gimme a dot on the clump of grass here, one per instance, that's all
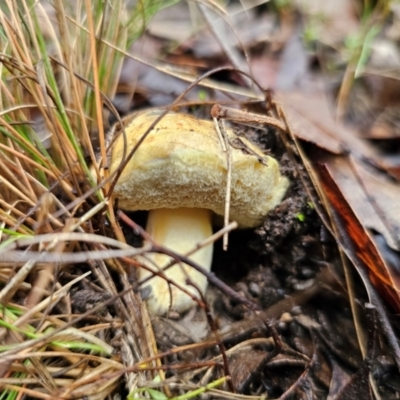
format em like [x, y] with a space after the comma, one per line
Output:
[59, 65]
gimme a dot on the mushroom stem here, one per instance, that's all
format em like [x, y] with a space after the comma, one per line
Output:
[180, 230]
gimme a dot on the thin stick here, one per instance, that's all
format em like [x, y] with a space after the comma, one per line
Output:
[240, 116]
[222, 136]
[228, 185]
[213, 238]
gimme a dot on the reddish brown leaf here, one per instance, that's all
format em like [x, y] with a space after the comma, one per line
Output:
[384, 195]
[372, 197]
[363, 247]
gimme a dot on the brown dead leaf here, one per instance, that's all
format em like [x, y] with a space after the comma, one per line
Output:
[362, 247]
[374, 201]
[293, 63]
[372, 197]
[310, 117]
[384, 195]
[244, 365]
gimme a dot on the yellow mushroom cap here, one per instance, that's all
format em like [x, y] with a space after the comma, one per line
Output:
[181, 163]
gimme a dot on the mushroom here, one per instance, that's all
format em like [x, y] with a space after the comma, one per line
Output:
[179, 174]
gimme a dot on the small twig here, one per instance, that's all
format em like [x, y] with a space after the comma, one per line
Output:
[240, 116]
[223, 138]
[16, 256]
[228, 184]
[176, 350]
[220, 137]
[60, 237]
[213, 238]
